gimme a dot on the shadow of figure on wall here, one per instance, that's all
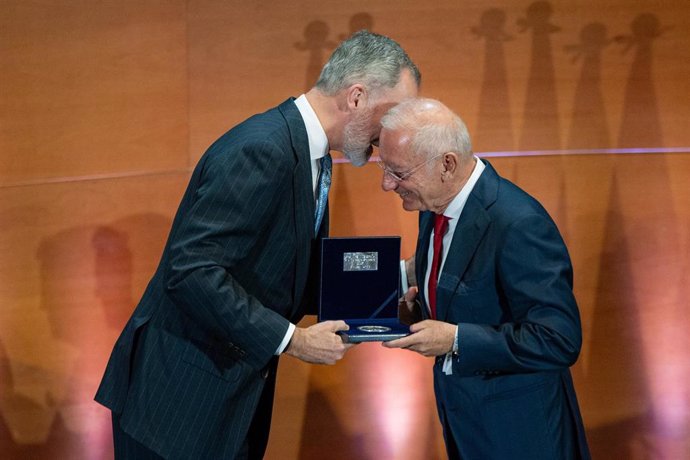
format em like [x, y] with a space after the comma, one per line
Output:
[616, 371]
[29, 427]
[589, 129]
[359, 21]
[47, 404]
[540, 130]
[640, 125]
[494, 124]
[641, 320]
[67, 297]
[126, 254]
[113, 275]
[315, 42]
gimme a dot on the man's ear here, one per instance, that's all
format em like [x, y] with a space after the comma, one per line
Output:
[356, 96]
[450, 162]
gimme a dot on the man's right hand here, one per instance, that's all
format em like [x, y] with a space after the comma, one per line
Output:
[319, 343]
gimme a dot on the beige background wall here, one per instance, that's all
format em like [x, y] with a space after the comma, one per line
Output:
[106, 106]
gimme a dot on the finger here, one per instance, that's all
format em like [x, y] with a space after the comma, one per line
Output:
[393, 343]
[332, 326]
[403, 342]
[416, 327]
[411, 294]
[340, 325]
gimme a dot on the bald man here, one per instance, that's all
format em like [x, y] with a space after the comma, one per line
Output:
[495, 290]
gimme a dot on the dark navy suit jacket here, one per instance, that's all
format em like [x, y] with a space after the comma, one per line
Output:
[507, 283]
[187, 372]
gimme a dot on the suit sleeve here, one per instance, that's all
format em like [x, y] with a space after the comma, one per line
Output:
[239, 189]
[534, 279]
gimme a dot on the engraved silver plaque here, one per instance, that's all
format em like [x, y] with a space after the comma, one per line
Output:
[373, 328]
[360, 261]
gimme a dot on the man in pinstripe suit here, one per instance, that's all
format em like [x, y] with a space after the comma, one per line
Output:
[193, 372]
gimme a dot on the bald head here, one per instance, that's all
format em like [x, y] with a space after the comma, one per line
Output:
[426, 154]
[430, 127]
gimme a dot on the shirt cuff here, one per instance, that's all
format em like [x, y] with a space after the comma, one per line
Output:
[403, 278]
[455, 342]
[286, 339]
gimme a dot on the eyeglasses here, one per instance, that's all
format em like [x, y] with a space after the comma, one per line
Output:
[401, 176]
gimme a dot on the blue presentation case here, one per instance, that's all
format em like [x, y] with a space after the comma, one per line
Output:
[360, 284]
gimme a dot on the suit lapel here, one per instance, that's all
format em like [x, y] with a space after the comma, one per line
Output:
[303, 195]
[468, 234]
[471, 228]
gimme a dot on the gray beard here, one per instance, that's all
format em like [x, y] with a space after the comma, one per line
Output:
[357, 144]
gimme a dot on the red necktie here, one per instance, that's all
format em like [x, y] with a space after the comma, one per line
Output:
[440, 229]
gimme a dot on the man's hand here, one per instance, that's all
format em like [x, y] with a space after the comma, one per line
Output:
[409, 310]
[428, 338]
[319, 343]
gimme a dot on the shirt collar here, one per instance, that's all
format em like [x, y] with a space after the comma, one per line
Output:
[456, 206]
[318, 142]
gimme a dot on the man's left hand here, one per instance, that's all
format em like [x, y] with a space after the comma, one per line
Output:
[428, 338]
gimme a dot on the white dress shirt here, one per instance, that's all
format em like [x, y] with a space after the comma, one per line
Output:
[454, 211]
[318, 148]
[318, 142]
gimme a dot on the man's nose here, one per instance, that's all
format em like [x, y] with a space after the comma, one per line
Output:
[388, 183]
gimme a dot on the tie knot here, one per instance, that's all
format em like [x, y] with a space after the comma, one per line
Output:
[440, 224]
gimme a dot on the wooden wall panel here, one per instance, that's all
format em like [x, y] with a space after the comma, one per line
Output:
[75, 256]
[91, 89]
[104, 108]
[523, 75]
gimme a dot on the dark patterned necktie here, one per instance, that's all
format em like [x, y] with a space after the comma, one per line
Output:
[323, 184]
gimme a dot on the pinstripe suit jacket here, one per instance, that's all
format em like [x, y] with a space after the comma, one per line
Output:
[187, 371]
[507, 283]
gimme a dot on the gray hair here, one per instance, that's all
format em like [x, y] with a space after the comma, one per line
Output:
[433, 127]
[374, 60]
